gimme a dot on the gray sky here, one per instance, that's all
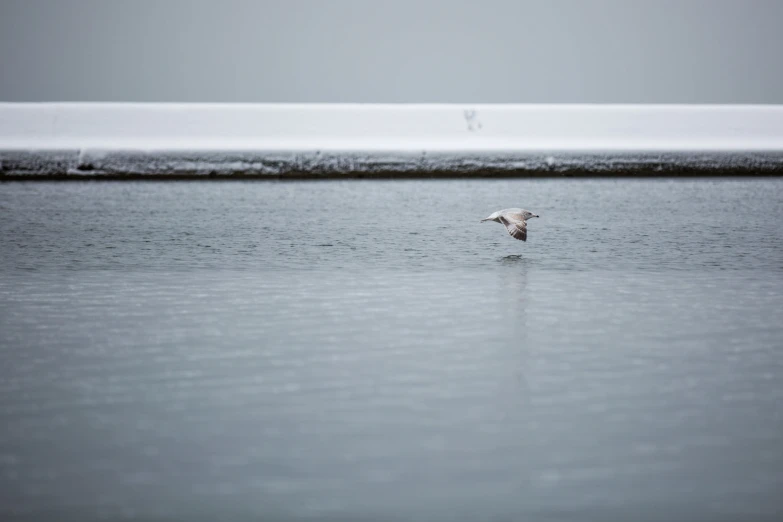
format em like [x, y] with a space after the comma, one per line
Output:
[392, 51]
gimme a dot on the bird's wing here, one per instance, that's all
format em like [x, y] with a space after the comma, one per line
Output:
[516, 228]
[514, 214]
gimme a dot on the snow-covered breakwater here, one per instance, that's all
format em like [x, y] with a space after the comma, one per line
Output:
[78, 140]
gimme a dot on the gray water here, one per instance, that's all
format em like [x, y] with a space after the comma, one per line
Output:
[370, 351]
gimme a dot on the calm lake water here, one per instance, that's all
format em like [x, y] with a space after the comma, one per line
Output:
[370, 351]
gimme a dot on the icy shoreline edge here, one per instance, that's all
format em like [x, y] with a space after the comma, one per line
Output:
[279, 141]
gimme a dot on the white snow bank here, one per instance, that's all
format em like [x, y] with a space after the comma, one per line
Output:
[352, 127]
[95, 139]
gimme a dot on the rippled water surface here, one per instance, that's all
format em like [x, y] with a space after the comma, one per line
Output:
[370, 351]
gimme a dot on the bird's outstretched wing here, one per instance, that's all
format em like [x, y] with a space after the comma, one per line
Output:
[514, 214]
[516, 229]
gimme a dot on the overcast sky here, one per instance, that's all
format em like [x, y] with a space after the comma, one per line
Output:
[711, 51]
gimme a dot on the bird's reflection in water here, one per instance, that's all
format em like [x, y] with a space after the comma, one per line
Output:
[514, 395]
[513, 289]
[513, 282]
[512, 260]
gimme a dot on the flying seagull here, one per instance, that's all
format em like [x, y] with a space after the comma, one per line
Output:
[514, 219]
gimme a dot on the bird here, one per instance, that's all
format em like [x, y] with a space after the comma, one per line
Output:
[514, 219]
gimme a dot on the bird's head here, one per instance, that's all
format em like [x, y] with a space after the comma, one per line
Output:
[527, 215]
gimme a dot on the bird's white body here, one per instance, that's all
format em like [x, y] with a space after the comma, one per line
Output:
[514, 219]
